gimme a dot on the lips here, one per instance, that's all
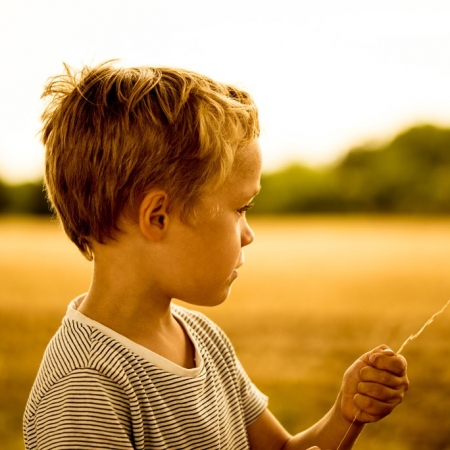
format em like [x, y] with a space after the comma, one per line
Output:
[241, 260]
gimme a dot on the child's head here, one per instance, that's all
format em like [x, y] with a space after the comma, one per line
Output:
[113, 134]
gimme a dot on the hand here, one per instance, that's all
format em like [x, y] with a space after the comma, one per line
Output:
[373, 385]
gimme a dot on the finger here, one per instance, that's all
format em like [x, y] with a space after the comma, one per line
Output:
[386, 361]
[372, 407]
[373, 375]
[381, 349]
[381, 392]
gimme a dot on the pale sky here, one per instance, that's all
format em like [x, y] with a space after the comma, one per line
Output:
[326, 74]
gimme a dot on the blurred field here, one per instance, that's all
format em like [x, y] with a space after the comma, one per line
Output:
[313, 295]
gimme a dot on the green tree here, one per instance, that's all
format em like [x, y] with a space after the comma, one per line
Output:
[4, 197]
[28, 198]
[407, 175]
[410, 174]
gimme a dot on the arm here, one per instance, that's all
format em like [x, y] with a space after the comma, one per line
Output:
[372, 387]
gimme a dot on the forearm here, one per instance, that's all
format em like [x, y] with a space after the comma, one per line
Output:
[373, 385]
[266, 433]
[333, 431]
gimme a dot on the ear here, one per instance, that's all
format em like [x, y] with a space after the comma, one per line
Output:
[153, 215]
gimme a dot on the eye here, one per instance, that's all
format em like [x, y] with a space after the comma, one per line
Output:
[245, 208]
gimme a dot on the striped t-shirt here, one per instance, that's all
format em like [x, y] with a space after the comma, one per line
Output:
[98, 390]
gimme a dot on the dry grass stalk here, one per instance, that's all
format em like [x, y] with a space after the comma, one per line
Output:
[411, 338]
[429, 321]
[349, 428]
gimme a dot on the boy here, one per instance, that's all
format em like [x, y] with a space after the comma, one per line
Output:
[150, 172]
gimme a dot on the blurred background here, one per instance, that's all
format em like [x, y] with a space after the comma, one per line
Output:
[352, 223]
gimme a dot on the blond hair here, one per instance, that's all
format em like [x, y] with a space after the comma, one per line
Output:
[112, 134]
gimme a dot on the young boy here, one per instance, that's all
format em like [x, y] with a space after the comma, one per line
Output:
[150, 172]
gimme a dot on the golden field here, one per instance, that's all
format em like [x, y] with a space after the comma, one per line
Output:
[314, 294]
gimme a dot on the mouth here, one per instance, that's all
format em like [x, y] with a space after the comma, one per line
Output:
[241, 260]
[239, 264]
[235, 271]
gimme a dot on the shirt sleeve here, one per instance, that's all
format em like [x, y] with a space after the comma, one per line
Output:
[253, 400]
[84, 410]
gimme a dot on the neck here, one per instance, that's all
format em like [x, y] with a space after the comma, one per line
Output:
[116, 300]
[126, 296]
[141, 317]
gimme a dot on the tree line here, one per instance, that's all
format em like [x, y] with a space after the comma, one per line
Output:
[25, 198]
[408, 175]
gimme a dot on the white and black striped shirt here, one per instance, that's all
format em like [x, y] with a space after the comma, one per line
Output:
[98, 390]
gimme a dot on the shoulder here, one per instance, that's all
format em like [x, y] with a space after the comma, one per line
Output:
[79, 350]
[81, 366]
[68, 350]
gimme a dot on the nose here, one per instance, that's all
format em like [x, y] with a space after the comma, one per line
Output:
[247, 235]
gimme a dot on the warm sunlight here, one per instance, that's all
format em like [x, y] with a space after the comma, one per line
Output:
[326, 75]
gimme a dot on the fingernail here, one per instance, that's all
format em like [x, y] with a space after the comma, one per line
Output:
[389, 352]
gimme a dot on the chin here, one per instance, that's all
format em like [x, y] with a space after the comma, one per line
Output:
[209, 301]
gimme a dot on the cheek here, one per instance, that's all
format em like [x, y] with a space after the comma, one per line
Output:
[223, 244]
[231, 248]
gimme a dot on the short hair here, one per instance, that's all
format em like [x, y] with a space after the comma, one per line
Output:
[113, 134]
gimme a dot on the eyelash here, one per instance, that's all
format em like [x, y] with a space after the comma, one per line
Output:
[245, 208]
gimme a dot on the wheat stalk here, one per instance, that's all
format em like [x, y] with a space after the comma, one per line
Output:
[411, 338]
[348, 430]
[428, 322]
